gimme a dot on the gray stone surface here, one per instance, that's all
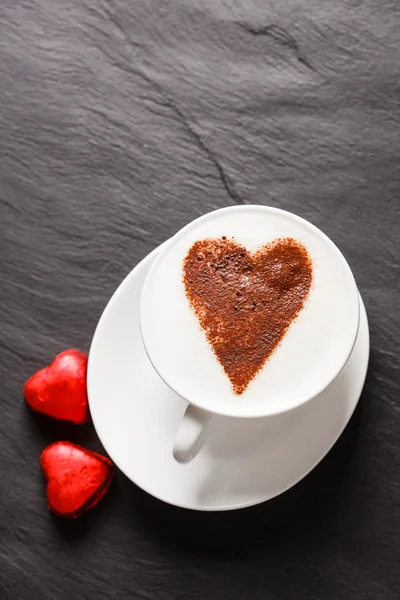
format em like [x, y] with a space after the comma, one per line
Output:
[119, 122]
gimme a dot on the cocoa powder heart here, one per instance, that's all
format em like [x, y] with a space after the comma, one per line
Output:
[246, 302]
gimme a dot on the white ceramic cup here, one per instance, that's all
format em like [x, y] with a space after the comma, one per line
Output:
[312, 352]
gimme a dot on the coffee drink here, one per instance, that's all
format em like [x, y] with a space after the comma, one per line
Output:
[249, 307]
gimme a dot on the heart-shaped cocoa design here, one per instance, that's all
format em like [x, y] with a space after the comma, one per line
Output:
[246, 302]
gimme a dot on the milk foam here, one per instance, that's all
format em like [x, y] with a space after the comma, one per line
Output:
[313, 350]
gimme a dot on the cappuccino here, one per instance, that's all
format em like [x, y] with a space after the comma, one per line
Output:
[249, 310]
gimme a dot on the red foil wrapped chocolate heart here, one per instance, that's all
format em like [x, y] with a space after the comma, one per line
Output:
[76, 478]
[59, 390]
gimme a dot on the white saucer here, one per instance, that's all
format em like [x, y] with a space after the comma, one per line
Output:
[244, 462]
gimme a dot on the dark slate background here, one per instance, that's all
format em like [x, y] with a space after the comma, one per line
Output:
[121, 121]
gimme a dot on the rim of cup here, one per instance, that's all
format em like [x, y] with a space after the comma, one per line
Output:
[265, 411]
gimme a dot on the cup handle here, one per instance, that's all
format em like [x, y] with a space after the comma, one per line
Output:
[190, 436]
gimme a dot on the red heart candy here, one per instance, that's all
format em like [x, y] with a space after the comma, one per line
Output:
[76, 478]
[59, 390]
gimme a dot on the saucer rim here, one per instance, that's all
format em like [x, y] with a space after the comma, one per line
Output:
[204, 508]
